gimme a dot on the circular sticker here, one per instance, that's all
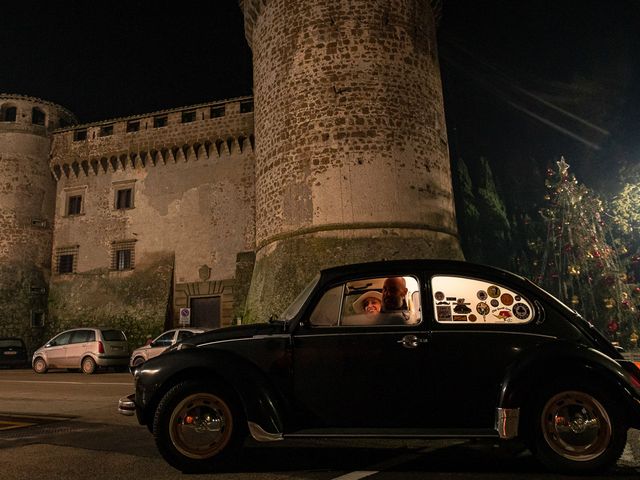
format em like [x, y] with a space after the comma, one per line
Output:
[493, 291]
[482, 308]
[482, 295]
[506, 299]
[495, 303]
[472, 318]
[439, 296]
[521, 311]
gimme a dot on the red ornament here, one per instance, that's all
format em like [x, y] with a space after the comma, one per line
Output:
[612, 326]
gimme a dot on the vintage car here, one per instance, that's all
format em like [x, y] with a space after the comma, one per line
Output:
[453, 350]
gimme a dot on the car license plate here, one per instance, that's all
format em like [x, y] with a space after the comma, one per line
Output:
[10, 352]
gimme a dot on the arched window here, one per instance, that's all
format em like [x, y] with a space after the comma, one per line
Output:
[37, 116]
[8, 113]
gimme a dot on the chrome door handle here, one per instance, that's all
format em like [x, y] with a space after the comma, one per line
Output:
[411, 341]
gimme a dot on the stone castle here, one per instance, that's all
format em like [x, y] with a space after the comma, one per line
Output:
[227, 208]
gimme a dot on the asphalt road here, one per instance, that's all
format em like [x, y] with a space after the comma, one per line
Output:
[65, 425]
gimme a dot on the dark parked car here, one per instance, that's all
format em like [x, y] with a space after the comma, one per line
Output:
[13, 353]
[456, 350]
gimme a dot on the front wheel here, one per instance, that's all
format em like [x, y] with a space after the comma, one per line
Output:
[40, 366]
[578, 430]
[198, 427]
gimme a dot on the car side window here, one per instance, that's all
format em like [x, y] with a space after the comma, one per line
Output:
[184, 334]
[81, 336]
[164, 340]
[470, 300]
[393, 300]
[62, 339]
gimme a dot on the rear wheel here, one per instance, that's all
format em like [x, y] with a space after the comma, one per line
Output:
[88, 365]
[578, 430]
[40, 366]
[137, 361]
[198, 427]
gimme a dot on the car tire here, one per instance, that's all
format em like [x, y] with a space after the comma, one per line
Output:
[88, 365]
[577, 430]
[40, 366]
[137, 361]
[199, 427]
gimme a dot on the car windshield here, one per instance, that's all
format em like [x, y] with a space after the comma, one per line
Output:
[7, 343]
[297, 304]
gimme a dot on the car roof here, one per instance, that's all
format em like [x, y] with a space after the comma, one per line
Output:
[418, 265]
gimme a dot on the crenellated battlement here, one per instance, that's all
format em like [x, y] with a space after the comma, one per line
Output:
[194, 133]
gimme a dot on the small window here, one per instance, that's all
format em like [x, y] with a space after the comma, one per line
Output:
[79, 135]
[122, 255]
[393, 300]
[133, 126]
[38, 223]
[188, 116]
[37, 319]
[246, 107]
[160, 121]
[37, 116]
[74, 205]
[66, 260]
[217, 112]
[466, 300]
[65, 263]
[106, 131]
[9, 114]
[124, 198]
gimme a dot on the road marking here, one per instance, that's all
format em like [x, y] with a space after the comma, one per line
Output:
[11, 425]
[377, 468]
[67, 383]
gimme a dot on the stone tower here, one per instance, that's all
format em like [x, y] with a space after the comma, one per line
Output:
[352, 158]
[27, 203]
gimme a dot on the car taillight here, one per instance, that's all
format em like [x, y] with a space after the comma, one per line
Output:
[100, 347]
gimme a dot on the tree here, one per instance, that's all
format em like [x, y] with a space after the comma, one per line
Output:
[579, 264]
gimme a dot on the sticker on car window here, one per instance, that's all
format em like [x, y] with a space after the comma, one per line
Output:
[460, 299]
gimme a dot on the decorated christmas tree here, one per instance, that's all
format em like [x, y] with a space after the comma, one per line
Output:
[579, 263]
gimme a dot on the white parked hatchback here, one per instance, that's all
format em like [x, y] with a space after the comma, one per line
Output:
[83, 348]
[160, 344]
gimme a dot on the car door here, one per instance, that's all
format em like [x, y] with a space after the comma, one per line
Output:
[352, 371]
[55, 350]
[78, 345]
[480, 327]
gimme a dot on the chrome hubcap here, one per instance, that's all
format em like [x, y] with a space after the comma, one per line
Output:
[576, 426]
[201, 425]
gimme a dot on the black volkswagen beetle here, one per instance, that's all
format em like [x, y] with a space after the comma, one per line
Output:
[412, 349]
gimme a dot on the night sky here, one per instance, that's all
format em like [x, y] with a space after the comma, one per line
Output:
[525, 81]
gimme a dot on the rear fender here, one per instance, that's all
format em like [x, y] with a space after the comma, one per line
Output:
[567, 363]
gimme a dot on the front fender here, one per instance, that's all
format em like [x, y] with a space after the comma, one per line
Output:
[554, 363]
[262, 402]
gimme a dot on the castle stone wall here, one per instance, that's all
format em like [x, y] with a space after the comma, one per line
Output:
[350, 140]
[193, 202]
[27, 197]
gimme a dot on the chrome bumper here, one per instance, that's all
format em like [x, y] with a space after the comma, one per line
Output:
[127, 405]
